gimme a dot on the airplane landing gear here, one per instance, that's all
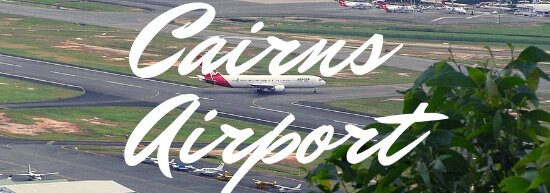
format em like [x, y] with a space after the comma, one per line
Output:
[315, 90]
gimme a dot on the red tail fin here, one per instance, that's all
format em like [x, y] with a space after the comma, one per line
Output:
[213, 73]
[383, 5]
[213, 77]
[342, 3]
[444, 5]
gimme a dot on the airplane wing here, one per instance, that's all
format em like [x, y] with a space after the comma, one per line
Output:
[54, 173]
[262, 85]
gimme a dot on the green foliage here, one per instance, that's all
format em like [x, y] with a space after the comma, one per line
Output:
[493, 140]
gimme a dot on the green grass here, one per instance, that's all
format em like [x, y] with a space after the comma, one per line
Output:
[15, 91]
[76, 4]
[57, 41]
[118, 122]
[383, 106]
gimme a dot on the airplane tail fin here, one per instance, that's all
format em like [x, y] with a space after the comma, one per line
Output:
[444, 5]
[299, 185]
[342, 3]
[211, 77]
[214, 72]
[383, 5]
[220, 167]
[29, 169]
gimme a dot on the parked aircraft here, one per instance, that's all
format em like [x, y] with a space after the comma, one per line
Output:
[459, 10]
[150, 160]
[262, 82]
[35, 176]
[395, 8]
[264, 185]
[288, 189]
[170, 163]
[360, 5]
[183, 167]
[224, 176]
[209, 171]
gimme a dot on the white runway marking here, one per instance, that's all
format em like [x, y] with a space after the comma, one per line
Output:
[47, 81]
[112, 82]
[91, 70]
[268, 121]
[199, 97]
[440, 18]
[8, 64]
[330, 110]
[474, 16]
[270, 109]
[61, 73]
[348, 123]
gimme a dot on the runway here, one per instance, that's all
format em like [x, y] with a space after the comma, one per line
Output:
[268, 108]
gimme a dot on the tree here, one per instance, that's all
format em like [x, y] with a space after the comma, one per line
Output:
[493, 141]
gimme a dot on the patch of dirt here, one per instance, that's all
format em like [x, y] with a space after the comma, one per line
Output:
[98, 121]
[57, 126]
[41, 125]
[14, 19]
[150, 62]
[393, 99]
[348, 74]
[115, 59]
[104, 36]
[31, 88]
[14, 46]
[61, 57]
[404, 74]
[459, 56]
[9, 21]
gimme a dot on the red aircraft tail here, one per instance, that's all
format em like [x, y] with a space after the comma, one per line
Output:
[342, 3]
[383, 5]
[213, 77]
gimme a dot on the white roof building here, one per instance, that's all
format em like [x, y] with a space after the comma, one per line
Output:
[67, 187]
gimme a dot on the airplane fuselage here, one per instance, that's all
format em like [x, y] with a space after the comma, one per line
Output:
[289, 81]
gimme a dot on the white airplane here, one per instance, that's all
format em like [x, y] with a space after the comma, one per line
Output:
[209, 171]
[156, 162]
[35, 176]
[262, 82]
[150, 160]
[352, 4]
[288, 189]
[395, 8]
[459, 10]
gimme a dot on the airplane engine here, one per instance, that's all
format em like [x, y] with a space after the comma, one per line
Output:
[279, 88]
